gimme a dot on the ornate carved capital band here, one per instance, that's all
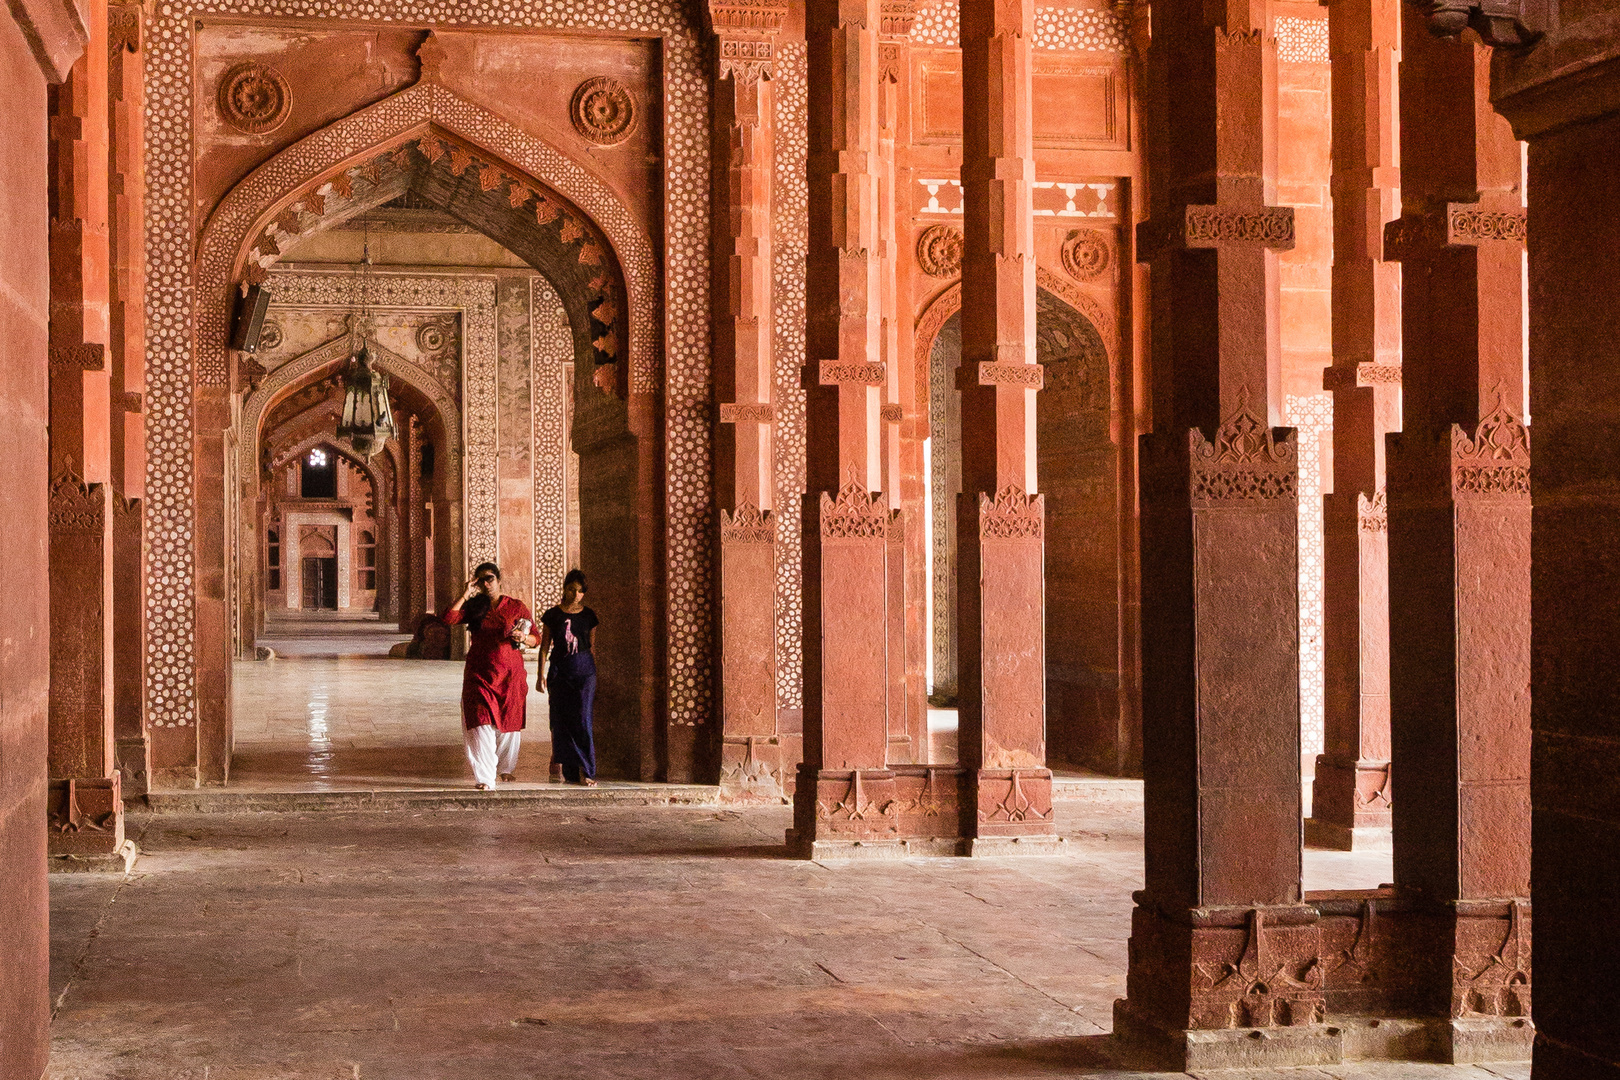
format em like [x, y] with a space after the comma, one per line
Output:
[840, 372]
[747, 412]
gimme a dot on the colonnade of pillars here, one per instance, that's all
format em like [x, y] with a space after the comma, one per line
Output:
[1427, 541]
[98, 746]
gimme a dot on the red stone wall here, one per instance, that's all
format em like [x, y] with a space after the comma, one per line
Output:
[24, 284]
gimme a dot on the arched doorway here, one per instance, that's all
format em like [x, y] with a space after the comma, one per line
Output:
[1077, 471]
[612, 398]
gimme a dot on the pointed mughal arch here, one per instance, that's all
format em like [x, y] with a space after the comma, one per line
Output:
[336, 167]
[321, 361]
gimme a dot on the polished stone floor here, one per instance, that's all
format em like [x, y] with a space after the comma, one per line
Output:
[333, 711]
[669, 943]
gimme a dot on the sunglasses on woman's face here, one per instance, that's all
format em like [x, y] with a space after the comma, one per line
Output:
[485, 580]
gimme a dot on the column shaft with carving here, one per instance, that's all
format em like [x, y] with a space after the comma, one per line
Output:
[1459, 548]
[1350, 798]
[127, 371]
[86, 805]
[751, 765]
[845, 793]
[908, 731]
[1220, 941]
[1000, 586]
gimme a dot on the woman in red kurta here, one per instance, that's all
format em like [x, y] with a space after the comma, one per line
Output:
[495, 688]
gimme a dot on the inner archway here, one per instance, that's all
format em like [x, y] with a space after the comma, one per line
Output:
[510, 302]
[1077, 471]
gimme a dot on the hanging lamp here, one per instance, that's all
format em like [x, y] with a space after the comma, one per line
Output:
[368, 419]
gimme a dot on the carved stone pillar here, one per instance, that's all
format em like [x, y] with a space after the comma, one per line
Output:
[1567, 108]
[127, 371]
[844, 794]
[1225, 959]
[1459, 549]
[902, 456]
[1000, 588]
[745, 166]
[1350, 798]
[85, 810]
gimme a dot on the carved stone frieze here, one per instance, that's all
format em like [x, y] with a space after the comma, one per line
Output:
[855, 514]
[756, 17]
[892, 412]
[747, 412]
[939, 250]
[1491, 960]
[1012, 515]
[1372, 515]
[254, 98]
[895, 17]
[1427, 230]
[1267, 974]
[603, 111]
[751, 770]
[1245, 463]
[1005, 373]
[76, 507]
[745, 59]
[1217, 226]
[1214, 226]
[1018, 797]
[749, 525]
[270, 336]
[1087, 255]
[89, 356]
[1494, 461]
[858, 372]
[123, 28]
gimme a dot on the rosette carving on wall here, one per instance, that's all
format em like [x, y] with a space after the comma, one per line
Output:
[254, 98]
[1087, 255]
[939, 250]
[603, 111]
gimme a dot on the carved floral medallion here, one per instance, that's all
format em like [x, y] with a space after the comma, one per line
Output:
[939, 250]
[254, 98]
[1087, 255]
[603, 111]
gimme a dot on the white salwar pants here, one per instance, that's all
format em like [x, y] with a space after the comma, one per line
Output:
[490, 751]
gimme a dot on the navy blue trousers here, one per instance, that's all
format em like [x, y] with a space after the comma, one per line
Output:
[571, 689]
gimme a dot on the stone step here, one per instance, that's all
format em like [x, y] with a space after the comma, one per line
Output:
[227, 800]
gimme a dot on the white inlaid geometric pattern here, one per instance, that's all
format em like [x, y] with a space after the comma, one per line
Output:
[1302, 41]
[1057, 29]
[1313, 416]
[789, 244]
[551, 347]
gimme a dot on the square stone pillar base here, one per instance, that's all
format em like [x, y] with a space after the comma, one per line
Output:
[1228, 1048]
[85, 817]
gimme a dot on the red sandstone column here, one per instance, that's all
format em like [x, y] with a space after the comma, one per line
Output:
[127, 368]
[1459, 549]
[1569, 112]
[1225, 965]
[908, 728]
[86, 805]
[39, 45]
[745, 164]
[1000, 576]
[1351, 796]
[845, 793]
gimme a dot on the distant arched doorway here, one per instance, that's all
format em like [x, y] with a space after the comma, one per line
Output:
[1077, 470]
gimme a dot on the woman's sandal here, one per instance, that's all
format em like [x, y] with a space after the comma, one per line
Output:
[586, 781]
[484, 787]
[509, 777]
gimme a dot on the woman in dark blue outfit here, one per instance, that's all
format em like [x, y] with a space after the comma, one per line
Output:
[571, 682]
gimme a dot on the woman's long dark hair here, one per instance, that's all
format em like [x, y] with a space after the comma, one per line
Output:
[474, 610]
